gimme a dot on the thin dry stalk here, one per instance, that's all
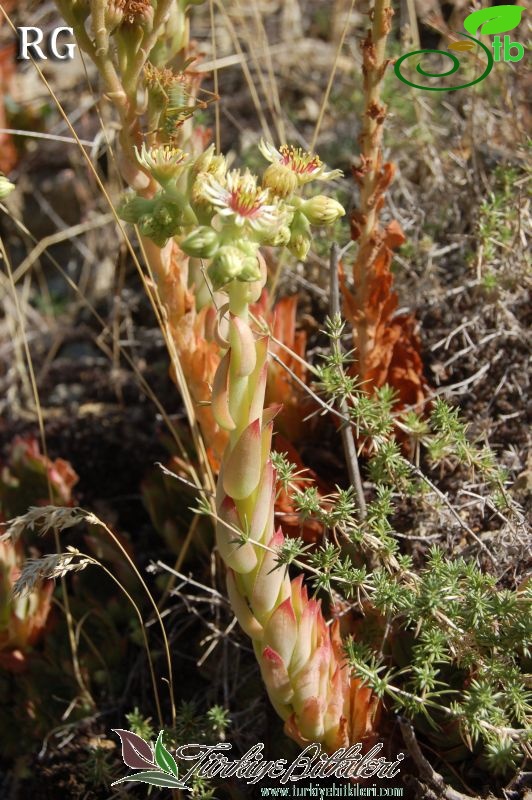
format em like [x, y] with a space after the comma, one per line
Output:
[386, 345]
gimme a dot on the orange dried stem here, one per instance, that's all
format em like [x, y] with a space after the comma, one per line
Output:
[386, 344]
[369, 174]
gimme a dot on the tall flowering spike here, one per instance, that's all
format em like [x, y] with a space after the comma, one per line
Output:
[225, 217]
[301, 659]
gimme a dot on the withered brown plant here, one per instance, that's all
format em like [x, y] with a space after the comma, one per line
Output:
[386, 344]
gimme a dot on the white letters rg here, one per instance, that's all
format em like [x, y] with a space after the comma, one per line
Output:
[30, 38]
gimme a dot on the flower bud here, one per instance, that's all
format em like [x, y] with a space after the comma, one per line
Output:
[250, 269]
[168, 215]
[299, 245]
[132, 208]
[218, 167]
[197, 192]
[203, 161]
[148, 226]
[161, 224]
[6, 187]
[164, 162]
[201, 243]
[114, 14]
[226, 266]
[299, 224]
[280, 180]
[249, 248]
[322, 210]
[211, 163]
[277, 238]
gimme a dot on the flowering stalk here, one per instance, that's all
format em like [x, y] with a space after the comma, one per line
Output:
[222, 218]
[300, 657]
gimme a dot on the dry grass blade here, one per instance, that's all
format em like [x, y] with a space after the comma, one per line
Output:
[245, 69]
[330, 81]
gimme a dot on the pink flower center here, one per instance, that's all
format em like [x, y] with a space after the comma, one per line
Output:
[246, 204]
[298, 161]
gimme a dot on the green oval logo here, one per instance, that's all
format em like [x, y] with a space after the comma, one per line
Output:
[455, 67]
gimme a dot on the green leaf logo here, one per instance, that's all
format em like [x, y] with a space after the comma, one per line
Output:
[164, 758]
[138, 753]
[497, 19]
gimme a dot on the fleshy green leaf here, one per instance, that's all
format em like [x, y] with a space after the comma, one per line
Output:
[163, 757]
